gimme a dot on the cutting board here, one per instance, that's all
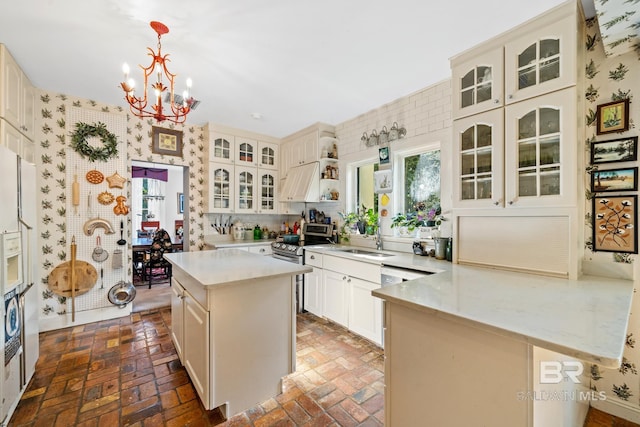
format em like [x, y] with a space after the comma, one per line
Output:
[86, 277]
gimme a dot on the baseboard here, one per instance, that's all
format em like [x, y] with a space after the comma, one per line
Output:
[83, 317]
[619, 408]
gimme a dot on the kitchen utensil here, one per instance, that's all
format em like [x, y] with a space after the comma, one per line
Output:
[101, 277]
[122, 293]
[95, 222]
[121, 242]
[117, 259]
[72, 277]
[99, 254]
[75, 194]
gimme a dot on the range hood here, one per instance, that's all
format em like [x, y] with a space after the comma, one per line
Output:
[302, 184]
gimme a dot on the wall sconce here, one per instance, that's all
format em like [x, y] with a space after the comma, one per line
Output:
[385, 135]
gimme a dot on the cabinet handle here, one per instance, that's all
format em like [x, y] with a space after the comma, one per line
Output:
[312, 257]
[349, 280]
[344, 277]
[496, 203]
[496, 101]
[262, 250]
[510, 202]
[510, 97]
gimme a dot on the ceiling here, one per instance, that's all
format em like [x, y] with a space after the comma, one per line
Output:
[289, 62]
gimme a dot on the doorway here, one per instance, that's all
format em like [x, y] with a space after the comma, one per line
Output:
[159, 200]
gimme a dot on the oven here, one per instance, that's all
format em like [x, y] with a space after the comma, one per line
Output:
[312, 234]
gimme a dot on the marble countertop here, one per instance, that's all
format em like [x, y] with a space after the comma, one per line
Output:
[228, 266]
[585, 318]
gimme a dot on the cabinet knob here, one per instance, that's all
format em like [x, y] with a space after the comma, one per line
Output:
[510, 96]
[496, 203]
[510, 202]
[312, 257]
[344, 277]
[496, 101]
[262, 250]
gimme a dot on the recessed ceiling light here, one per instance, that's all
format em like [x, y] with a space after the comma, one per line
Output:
[256, 116]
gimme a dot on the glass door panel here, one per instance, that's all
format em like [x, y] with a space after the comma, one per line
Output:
[484, 187]
[245, 190]
[221, 188]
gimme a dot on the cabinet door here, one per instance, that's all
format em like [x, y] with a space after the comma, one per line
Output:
[286, 159]
[310, 151]
[196, 346]
[268, 155]
[477, 83]
[246, 152]
[221, 148]
[336, 294]
[541, 151]
[313, 292]
[267, 191]
[365, 310]
[246, 189]
[177, 317]
[221, 187]
[10, 137]
[11, 107]
[478, 154]
[541, 61]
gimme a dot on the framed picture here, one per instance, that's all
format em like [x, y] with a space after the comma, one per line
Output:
[180, 203]
[167, 142]
[616, 150]
[383, 155]
[382, 181]
[615, 224]
[624, 179]
[613, 117]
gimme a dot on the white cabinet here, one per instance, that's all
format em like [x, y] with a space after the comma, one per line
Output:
[313, 287]
[261, 249]
[535, 58]
[267, 190]
[222, 148]
[268, 155]
[255, 190]
[365, 310]
[190, 335]
[221, 187]
[177, 316]
[246, 153]
[336, 296]
[478, 160]
[17, 108]
[196, 355]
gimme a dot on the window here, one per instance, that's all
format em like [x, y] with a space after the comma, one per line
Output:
[416, 176]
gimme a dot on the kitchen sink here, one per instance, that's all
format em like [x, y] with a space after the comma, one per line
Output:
[363, 252]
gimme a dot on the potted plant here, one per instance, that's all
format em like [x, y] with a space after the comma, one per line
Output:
[365, 220]
[422, 216]
[371, 220]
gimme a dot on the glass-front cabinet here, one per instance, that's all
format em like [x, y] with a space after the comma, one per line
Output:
[268, 155]
[221, 148]
[479, 160]
[542, 61]
[540, 156]
[221, 191]
[246, 151]
[477, 83]
[267, 191]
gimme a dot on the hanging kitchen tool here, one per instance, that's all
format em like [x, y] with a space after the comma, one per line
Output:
[121, 242]
[82, 274]
[75, 194]
[95, 222]
[99, 254]
[117, 259]
[122, 293]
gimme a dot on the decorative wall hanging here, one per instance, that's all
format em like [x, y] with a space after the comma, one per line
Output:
[94, 176]
[116, 181]
[167, 141]
[624, 179]
[105, 198]
[613, 117]
[384, 137]
[382, 181]
[616, 150]
[383, 155]
[615, 224]
[120, 208]
[180, 203]
[80, 144]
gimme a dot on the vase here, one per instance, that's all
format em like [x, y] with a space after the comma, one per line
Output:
[405, 232]
[431, 223]
[370, 230]
[361, 227]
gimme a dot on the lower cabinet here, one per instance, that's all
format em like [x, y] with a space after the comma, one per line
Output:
[365, 310]
[190, 335]
[336, 296]
[313, 292]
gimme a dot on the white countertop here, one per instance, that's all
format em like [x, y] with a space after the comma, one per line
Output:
[585, 318]
[227, 266]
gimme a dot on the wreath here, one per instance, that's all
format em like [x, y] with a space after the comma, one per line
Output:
[80, 145]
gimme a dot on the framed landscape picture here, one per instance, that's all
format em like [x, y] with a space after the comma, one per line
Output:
[613, 117]
[167, 141]
[614, 224]
[624, 179]
[616, 150]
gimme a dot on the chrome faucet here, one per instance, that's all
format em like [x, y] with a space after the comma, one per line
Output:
[378, 237]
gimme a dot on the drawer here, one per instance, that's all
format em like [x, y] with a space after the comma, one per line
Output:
[360, 269]
[313, 258]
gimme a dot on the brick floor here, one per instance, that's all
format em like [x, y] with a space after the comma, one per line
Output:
[126, 372]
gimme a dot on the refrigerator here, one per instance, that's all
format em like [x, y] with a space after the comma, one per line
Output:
[18, 270]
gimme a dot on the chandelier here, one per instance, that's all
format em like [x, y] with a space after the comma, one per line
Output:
[180, 105]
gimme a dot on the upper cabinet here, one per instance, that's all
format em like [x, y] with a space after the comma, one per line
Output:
[477, 82]
[243, 174]
[17, 102]
[538, 57]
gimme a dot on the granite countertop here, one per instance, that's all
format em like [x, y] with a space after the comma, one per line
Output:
[585, 318]
[228, 266]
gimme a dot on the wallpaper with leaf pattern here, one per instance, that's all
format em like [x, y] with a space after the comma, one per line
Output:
[619, 25]
[52, 139]
[609, 78]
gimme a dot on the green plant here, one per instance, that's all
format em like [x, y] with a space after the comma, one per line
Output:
[368, 217]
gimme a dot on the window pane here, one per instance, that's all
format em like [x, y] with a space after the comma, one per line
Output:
[422, 181]
[366, 195]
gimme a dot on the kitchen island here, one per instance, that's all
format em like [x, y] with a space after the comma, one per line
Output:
[233, 324]
[467, 346]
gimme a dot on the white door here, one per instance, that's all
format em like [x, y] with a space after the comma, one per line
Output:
[365, 310]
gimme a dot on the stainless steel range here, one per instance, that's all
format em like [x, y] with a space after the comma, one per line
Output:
[313, 234]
